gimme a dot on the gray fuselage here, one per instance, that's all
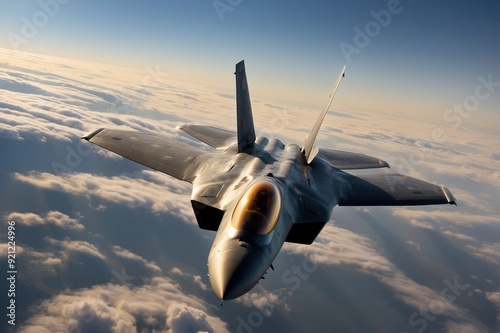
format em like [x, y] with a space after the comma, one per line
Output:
[239, 258]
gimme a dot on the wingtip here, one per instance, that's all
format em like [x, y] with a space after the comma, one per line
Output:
[449, 196]
[182, 126]
[90, 135]
[384, 164]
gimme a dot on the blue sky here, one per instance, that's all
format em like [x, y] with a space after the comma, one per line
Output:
[105, 244]
[427, 57]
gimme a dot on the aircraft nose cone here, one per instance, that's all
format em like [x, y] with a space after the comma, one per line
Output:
[233, 272]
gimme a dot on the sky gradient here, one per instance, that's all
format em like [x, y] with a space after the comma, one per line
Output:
[106, 245]
[422, 58]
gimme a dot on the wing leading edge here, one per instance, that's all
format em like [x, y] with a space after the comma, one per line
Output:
[174, 158]
[393, 190]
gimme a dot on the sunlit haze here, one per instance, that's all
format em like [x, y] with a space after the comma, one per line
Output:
[106, 245]
[402, 56]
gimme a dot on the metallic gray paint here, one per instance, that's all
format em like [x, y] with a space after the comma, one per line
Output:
[311, 183]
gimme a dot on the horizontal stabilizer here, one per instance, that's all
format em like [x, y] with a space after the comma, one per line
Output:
[393, 190]
[212, 136]
[348, 161]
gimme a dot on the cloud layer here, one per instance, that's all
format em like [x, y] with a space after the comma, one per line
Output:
[159, 306]
[111, 246]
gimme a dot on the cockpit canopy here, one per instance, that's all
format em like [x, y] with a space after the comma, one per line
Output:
[258, 209]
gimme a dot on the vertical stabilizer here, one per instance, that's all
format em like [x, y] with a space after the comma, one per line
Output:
[246, 131]
[308, 149]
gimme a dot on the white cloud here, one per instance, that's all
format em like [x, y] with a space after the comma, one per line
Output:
[126, 254]
[486, 251]
[64, 104]
[421, 224]
[38, 267]
[26, 218]
[494, 296]
[263, 300]
[158, 306]
[4, 250]
[160, 193]
[182, 318]
[46, 99]
[46, 259]
[52, 217]
[337, 246]
[445, 217]
[459, 236]
[452, 326]
[414, 244]
[471, 200]
[196, 279]
[76, 246]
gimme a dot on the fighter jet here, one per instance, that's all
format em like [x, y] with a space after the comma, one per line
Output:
[258, 193]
